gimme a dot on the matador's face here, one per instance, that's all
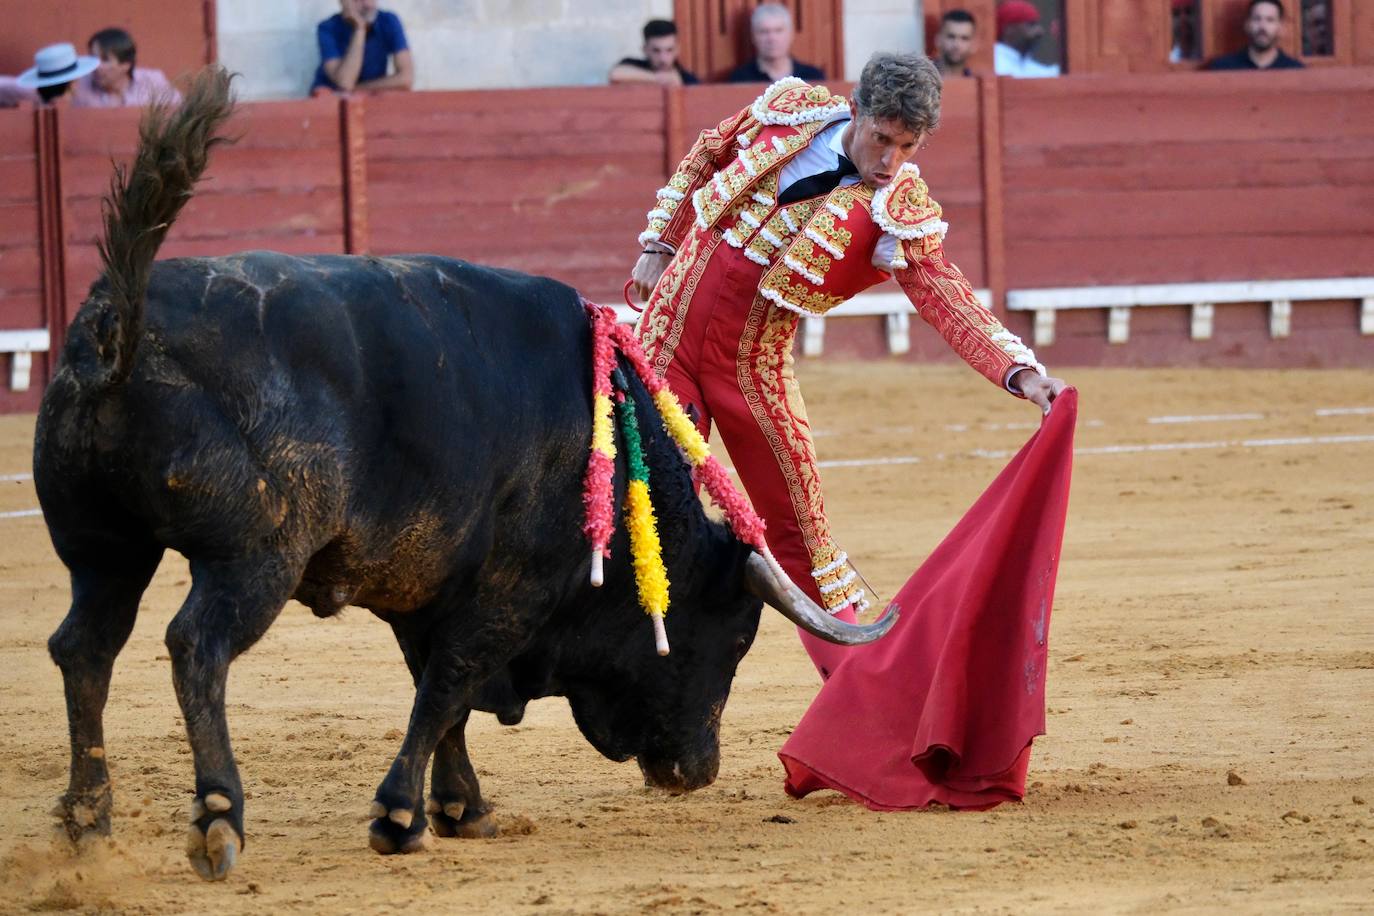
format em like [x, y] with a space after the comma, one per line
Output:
[878, 148]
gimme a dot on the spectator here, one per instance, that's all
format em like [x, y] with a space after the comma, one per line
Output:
[954, 43]
[771, 29]
[1263, 26]
[1183, 20]
[659, 63]
[118, 81]
[47, 82]
[356, 46]
[1316, 28]
[1018, 32]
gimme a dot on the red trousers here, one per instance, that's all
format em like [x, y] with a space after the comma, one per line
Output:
[727, 353]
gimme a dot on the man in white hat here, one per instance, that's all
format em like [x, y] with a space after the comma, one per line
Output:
[54, 69]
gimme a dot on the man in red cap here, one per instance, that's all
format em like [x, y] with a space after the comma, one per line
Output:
[1018, 32]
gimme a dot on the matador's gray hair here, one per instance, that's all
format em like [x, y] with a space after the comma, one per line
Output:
[900, 87]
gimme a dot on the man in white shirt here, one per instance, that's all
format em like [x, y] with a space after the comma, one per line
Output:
[1018, 32]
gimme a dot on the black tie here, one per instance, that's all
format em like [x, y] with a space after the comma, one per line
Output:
[818, 184]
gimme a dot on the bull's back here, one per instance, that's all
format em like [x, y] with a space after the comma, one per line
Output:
[406, 346]
[384, 410]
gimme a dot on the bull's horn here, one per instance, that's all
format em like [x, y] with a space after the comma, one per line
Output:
[772, 585]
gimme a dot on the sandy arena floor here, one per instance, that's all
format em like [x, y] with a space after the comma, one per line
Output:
[1215, 617]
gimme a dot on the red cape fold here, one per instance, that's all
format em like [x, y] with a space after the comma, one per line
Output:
[943, 709]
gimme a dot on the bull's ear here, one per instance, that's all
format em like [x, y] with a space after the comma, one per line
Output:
[766, 580]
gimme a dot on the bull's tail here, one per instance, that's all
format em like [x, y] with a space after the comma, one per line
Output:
[173, 150]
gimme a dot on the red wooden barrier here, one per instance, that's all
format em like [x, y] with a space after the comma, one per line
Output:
[21, 263]
[21, 269]
[280, 186]
[548, 181]
[1188, 177]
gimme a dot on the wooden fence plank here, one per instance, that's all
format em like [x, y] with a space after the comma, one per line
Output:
[279, 185]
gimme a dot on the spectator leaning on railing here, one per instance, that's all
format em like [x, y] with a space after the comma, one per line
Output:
[118, 81]
[356, 46]
[659, 63]
[1263, 28]
[771, 29]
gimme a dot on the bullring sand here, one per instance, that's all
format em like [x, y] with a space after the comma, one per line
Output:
[1211, 697]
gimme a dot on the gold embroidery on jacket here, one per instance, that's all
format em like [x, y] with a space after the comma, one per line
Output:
[747, 216]
[660, 327]
[783, 287]
[714, 198]
[808, 260]
[793, 101]
[796, 280]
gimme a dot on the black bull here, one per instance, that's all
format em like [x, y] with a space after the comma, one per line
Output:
[406, 435]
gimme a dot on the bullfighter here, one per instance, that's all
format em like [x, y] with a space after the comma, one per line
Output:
[787, 209]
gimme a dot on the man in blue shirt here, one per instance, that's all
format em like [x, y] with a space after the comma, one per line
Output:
[356, 45]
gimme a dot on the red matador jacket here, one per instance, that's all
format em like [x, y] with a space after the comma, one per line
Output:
[817, 256]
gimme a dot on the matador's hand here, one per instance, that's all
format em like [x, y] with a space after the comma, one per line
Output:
[1039, 389]
[648, 269]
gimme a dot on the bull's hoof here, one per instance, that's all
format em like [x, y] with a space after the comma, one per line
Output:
[213, 851]
[454, 819]
[388, 837]
[85, 814]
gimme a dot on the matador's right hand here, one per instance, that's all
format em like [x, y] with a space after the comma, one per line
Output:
[648, 269]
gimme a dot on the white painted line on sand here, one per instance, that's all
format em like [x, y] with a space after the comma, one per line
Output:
[868, 462]
[22, 513]
[1150, 447]
[1206, 418]
[1344, 411]
[1126, 449]
[998, 427]
[1305, 440]
[15, 477]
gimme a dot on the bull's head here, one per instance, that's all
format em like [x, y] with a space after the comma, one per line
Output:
[665, 710]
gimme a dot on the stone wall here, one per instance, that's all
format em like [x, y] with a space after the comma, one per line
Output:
[879, 25]
[478, 44]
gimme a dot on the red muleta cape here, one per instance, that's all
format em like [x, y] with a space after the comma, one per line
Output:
[944, 707]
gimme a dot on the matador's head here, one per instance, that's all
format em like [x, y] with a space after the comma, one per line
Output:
[896, 106]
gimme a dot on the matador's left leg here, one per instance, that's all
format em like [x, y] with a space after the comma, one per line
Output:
[757, 406]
